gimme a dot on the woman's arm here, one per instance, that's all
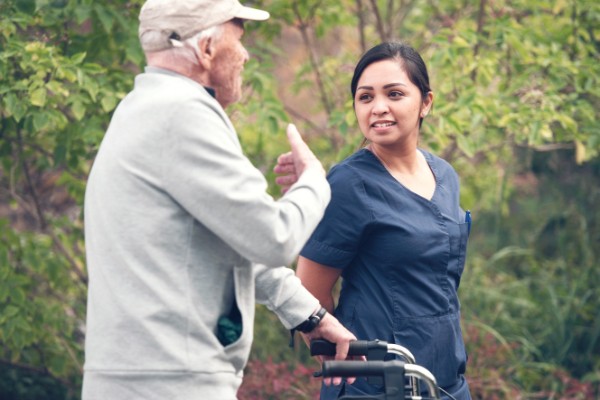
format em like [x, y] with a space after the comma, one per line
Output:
[319, 279]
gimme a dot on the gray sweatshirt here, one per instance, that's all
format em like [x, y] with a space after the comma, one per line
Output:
[179, 228]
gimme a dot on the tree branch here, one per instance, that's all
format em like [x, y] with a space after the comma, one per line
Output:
[390, 18]
[480, 23]
[303, 27]
[38, 208]
[306, 120]
[361, 25]
[542, 148]
[405, 9]
[378, 20]
[331, 134]
[75, 267]
[574, 20]
[57, 244]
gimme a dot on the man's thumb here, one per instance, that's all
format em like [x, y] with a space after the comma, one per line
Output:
[302, 156]
[294, 137]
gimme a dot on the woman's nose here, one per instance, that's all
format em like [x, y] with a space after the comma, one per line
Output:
[380, 106]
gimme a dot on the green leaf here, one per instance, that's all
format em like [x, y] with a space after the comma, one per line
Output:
[82, 13]
[3, 295]
[14, 107]
[41, 122]
[580, 152]
[78, 110]
[78, 58]
[92, 88]
[465, 145]
[567, 122]
[60, 153]
[66, 72]
[461, 42]
[9, 312]
[17, 295]
[105, 17]
[26, 6]
[108, 103]
[38, 97]
[57, 88]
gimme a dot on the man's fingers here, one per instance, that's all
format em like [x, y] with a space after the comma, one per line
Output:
[286, 158]
[286, 180]
[341, 354]
[331, 329]
[327, 381]
[287, 169]
[284, 168]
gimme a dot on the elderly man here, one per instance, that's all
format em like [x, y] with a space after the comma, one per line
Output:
[181, 235]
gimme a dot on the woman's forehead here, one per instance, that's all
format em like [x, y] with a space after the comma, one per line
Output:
[383, 72]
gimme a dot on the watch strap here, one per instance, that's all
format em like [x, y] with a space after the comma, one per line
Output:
[312, 322]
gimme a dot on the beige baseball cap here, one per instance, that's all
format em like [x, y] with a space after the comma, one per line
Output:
[181, 19]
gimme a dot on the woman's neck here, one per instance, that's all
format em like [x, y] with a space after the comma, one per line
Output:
[404, 160]
[409, 167]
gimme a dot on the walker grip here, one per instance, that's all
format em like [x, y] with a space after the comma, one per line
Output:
[373, 349]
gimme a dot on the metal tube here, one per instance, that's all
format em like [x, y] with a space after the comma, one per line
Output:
[423, 374]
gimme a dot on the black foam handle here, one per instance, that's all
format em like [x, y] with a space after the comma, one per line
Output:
[353, 368]
[321, 347]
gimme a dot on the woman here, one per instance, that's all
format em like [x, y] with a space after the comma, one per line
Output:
[394, 229]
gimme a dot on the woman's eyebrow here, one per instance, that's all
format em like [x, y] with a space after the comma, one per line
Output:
[387, 86]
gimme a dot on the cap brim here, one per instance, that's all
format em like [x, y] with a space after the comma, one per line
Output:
[252, 14]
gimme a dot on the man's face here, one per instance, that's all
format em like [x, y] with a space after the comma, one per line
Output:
[228, 64]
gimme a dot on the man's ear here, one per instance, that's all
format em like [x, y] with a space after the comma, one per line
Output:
[206, 52]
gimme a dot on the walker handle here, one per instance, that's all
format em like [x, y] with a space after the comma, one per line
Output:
[359, 368]
[374, 349]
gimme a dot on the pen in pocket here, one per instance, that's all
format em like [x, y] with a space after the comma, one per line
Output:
[468, 221]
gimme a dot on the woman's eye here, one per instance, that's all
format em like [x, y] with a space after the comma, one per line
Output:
[364, 97]
[395, 94]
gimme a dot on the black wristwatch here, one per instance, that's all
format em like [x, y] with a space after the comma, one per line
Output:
[312, 322]
[309, 325]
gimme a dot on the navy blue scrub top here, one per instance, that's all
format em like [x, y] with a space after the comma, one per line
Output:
[402, 258]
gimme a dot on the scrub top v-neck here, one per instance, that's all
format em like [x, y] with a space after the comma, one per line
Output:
[402, 257]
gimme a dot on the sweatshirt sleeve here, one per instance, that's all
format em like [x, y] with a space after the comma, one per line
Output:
[207, 173]
[282, 292]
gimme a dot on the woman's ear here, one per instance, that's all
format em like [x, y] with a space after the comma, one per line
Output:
[427, 104]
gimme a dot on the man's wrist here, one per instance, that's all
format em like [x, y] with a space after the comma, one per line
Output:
[312, 322]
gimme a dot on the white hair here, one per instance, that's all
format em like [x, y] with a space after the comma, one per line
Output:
[186, 49]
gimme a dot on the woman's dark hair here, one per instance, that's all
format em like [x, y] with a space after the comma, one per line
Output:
[413, 65]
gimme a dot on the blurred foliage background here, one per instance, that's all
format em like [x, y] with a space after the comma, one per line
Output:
[517, 113]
